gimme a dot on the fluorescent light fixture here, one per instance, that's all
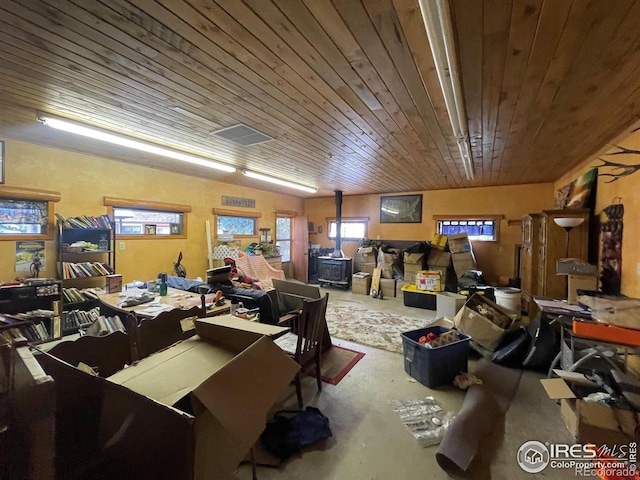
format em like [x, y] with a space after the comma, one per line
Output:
[105, 136]
[278, 181]
[437, 22]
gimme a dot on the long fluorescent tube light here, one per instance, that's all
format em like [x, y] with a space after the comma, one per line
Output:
[278, 181]
[437, 22]
[104, 136]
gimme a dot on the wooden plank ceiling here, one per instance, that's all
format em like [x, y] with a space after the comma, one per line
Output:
[347, 88]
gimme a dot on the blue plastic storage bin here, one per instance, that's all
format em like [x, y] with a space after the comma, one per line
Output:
[434, 366]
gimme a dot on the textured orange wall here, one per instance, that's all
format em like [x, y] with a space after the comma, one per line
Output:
[627, 189]
[83, 182]
[494, 259]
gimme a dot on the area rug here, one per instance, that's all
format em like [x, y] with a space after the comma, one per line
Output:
[336, 363]
[366, 327]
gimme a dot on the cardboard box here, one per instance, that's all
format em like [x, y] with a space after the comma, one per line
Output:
[591, 422]
[410, 270]
[439, 241]
[449, 304]
[385, 262]
[459, 243]
[580, 282]
[439, 258]
[483, 330]
[414, 258]
[208, 398]
[428, 280]
[367, 268]
[361, 283]
[388, 287]
[113, 283]
[462, 262]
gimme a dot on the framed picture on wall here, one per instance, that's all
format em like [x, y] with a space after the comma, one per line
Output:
[1, 162]
[401, 209]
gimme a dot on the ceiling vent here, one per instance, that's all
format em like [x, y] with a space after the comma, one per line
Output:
[242, 135]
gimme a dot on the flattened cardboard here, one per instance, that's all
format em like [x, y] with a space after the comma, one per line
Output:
[557, 388]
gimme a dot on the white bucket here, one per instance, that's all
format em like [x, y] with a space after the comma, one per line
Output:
[509, 298]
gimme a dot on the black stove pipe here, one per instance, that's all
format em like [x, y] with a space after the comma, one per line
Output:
[338, 251]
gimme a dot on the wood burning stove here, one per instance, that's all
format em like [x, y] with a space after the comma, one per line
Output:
[334, 271]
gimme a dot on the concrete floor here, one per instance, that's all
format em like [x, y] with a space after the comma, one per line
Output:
[370, 442]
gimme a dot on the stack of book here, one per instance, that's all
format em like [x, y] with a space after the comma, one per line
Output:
[84, 221]
[105, 325]
[75, 295]
[85, 269]
[74, 320]
[35, 326]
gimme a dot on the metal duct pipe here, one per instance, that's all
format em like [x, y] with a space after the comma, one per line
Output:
[338, 251]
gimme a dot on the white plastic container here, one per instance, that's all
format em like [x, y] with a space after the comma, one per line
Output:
[509, 298]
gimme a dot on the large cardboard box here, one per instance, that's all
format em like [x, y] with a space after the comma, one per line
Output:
[386, 260]
[579, 282]
[459, 243]
[361, 283]
[439, 258]
[410, 270]
[366, 259]
[414, 258]
[488, 328]
[193, 410]
[591, 422]
[388, 287]
[462, 262]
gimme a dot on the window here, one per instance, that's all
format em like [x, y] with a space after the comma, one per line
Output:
[480, 229]
[133, 221]
[283, 237]
[145, 219]
[352, 229]
[237, 225]
[22, 217]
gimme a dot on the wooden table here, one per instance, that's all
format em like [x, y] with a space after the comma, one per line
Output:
[173, 299]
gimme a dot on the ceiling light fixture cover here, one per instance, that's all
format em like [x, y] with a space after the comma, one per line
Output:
[437, 22]
[278, 181]
[108, 137]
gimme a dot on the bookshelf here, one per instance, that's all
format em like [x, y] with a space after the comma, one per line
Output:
[86, 255]
[31, 310]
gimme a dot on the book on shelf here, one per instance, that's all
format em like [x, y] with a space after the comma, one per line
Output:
[104, 325]
[85, 221]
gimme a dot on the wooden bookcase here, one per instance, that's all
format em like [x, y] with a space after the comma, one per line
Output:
[86, 255]
[31, 310]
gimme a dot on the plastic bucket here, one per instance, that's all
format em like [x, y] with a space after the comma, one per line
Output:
[509, 298]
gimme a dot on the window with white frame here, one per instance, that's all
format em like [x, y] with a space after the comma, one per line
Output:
[351, 229]
[135, 221]
[228, 224]
[283, 237]
[479, 229]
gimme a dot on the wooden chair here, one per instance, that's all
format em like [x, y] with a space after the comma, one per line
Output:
[153, 334]
[105, 355]
[306, 345]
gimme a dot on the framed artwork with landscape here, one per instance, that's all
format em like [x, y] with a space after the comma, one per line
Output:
[401, 209]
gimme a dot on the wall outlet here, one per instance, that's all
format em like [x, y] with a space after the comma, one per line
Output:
[121, 245]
